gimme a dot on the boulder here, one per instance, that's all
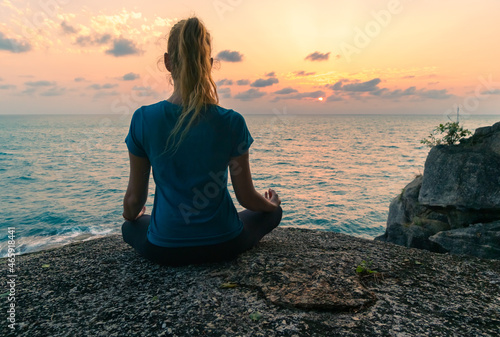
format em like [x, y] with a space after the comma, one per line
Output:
[463, 177]
[410, 224]
[481, 240]
[455, 206]
[488, 136]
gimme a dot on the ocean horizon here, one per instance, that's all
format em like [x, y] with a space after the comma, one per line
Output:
[63, 177]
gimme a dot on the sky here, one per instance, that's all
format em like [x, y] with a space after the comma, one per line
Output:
[296, 57]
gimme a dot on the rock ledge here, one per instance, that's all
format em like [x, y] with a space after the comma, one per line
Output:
[294, 283]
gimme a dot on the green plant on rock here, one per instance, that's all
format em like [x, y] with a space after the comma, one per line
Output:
[417, 221]
[364, 268]
[446, 134]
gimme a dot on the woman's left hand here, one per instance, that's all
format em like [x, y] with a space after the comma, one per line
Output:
[141, 213]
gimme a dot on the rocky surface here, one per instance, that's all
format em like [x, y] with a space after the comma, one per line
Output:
[294, 283]
[478, 239]
[460, 187]
[463, 177]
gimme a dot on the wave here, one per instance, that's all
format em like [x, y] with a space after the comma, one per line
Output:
[35, 243]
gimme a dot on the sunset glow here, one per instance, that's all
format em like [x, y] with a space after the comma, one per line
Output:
[409, 57]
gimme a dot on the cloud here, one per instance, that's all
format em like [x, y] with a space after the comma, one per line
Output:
[55, 91]
[412, 91]
[434, 94]
[491, 92]
[334, 98]
[7, 86]
[224, 92]
[123, 47]
[271, 74]
[33, 86]
[317, 56]
[224, 81]
[367, 86]
[104, 86]
[105, 94]
[249, 95]
[357, 89]
[302, 95]
[130, 77]
[230, 56]
[363, 86]
[336, 86]
[303, 73]
[43, 25]
[260, 83]
[144, 91]
[39, 83]
[243, 82]
[79, 79]
[408, 77]
[94, 40]
[68, 29]
[109, 86]
[286, 91]
[386, 93]
[29, 91]
[13, 45]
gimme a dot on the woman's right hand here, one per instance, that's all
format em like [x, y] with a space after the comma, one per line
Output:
[273, 197]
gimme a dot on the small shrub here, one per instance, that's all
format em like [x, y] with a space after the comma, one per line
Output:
[451, 133]
[364, 268]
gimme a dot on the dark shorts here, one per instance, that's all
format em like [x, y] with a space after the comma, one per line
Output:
[255, 226]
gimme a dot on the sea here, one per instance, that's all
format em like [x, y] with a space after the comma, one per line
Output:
[63, 177]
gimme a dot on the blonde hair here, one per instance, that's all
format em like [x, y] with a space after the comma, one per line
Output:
[189, 48]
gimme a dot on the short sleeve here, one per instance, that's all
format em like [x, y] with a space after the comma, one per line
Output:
[242, 139]
[134, 139]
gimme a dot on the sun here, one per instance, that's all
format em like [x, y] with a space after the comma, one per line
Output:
[320, 99]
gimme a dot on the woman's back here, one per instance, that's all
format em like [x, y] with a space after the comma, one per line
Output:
[192, 203]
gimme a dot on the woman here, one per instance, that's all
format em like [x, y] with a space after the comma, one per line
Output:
[190, 142]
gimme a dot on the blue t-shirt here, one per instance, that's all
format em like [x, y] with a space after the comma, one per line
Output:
[192, 205]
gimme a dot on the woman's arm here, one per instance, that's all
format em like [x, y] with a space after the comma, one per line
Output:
[137, 190]
[246, 194]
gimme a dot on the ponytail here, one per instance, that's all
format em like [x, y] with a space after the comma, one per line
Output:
[189, 49]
